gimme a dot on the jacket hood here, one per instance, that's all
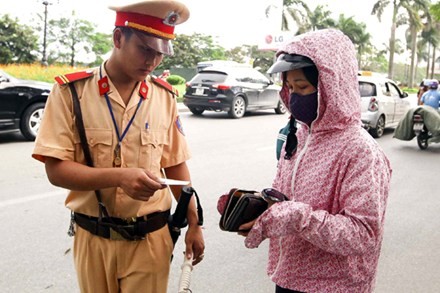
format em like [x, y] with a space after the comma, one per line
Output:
[335, 57]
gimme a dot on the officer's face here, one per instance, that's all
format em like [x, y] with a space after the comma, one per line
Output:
[139, 59]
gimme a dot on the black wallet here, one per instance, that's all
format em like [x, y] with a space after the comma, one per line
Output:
[242, 206]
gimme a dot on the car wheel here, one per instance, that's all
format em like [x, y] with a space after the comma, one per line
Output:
[380, 127]
[280, 109]
[238, 107]
[197, 111]
[31, 120]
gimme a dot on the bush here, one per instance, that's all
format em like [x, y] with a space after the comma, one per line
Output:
[176, 79]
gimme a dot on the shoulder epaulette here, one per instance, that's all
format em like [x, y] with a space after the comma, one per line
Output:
[165, 85]
[71, 77]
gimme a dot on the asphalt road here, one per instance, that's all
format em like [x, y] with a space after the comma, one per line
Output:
[35, 253]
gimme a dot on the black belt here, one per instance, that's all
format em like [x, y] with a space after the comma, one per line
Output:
[123, 229]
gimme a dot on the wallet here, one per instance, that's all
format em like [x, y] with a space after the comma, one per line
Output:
[241, 206]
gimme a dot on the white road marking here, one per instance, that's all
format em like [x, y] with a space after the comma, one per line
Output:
[25, 199]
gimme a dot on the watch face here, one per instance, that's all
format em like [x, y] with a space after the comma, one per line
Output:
[273, 195]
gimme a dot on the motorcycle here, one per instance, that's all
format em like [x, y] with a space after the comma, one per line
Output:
[423, 135]
[422, 122]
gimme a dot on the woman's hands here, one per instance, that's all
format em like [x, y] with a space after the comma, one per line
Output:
[246, 227]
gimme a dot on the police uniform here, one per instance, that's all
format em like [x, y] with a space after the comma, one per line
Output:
[154, 139]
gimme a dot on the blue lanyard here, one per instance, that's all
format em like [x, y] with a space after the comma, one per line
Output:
[120, 138]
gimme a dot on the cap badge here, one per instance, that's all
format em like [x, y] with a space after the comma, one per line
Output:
[171, 18]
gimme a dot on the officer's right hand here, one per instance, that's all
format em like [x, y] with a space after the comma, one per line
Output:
[139, 184]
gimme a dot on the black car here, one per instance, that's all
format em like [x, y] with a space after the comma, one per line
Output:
[235, 90]
[22, 104]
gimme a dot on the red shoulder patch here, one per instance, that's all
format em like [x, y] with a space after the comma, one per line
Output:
[71, 77]
[165, 85]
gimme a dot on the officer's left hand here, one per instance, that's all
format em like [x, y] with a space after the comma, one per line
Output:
[195, 245]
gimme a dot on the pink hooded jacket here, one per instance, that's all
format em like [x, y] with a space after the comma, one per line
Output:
[327, 237]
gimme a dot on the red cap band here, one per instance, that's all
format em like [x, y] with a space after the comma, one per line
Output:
[146, 23]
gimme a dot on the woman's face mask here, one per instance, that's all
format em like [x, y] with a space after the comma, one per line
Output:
[304, 107]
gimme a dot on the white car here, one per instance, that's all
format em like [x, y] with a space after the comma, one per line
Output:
[383, 103]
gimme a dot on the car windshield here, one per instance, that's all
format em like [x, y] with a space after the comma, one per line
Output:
[209, 77]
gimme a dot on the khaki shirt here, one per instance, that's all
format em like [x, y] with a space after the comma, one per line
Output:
[155, 140]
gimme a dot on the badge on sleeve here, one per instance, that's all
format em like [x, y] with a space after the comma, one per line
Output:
[179, 125]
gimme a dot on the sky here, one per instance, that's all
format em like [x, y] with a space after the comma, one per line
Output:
[230, 22]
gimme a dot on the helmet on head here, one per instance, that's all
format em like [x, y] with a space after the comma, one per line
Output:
[433, 84]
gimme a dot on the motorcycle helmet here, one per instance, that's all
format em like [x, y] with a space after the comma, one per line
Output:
[426, 82]
[434, 84]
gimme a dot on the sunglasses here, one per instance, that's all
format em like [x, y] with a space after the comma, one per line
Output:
[270, 194]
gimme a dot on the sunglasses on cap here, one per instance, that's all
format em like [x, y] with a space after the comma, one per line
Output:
[287, 62]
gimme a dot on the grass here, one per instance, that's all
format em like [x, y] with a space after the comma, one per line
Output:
[47, 74]
[37, 71]
[410, 90]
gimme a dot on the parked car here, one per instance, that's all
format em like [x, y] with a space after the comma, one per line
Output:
[22, 104]
[205, 64]
[383, 103]
[235, 90]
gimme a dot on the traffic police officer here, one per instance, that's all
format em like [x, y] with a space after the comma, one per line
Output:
[133, 132]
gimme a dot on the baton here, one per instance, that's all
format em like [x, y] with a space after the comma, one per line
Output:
[185, 275]
[178, 220]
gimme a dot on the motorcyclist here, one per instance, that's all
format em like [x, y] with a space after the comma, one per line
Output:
[432, 96]
[423, 88]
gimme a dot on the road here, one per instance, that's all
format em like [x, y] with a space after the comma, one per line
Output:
[36, 251]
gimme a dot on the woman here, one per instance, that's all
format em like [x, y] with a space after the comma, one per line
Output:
[327, 237]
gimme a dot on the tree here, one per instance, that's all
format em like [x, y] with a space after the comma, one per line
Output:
[430, 36]
[416, 13]
[397, 5]
[71, 37]
[435, 11]
[261, 60]
[189, 50]
[101, 44]
[357, 32]
[18, 43]
[320, 18]
[305, 19]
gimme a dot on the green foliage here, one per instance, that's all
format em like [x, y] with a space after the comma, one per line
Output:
[18, 42]
[176, 79]
[376, 62]
[101, 44]
[435, 11]
[71, 37]
[191, 49]
[250, 54]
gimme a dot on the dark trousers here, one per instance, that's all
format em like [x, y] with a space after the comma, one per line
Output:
[278, 289]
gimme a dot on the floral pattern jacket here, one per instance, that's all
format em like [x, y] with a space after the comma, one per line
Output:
[327, 237]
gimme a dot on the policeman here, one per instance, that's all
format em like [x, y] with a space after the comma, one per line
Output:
[133, 132]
